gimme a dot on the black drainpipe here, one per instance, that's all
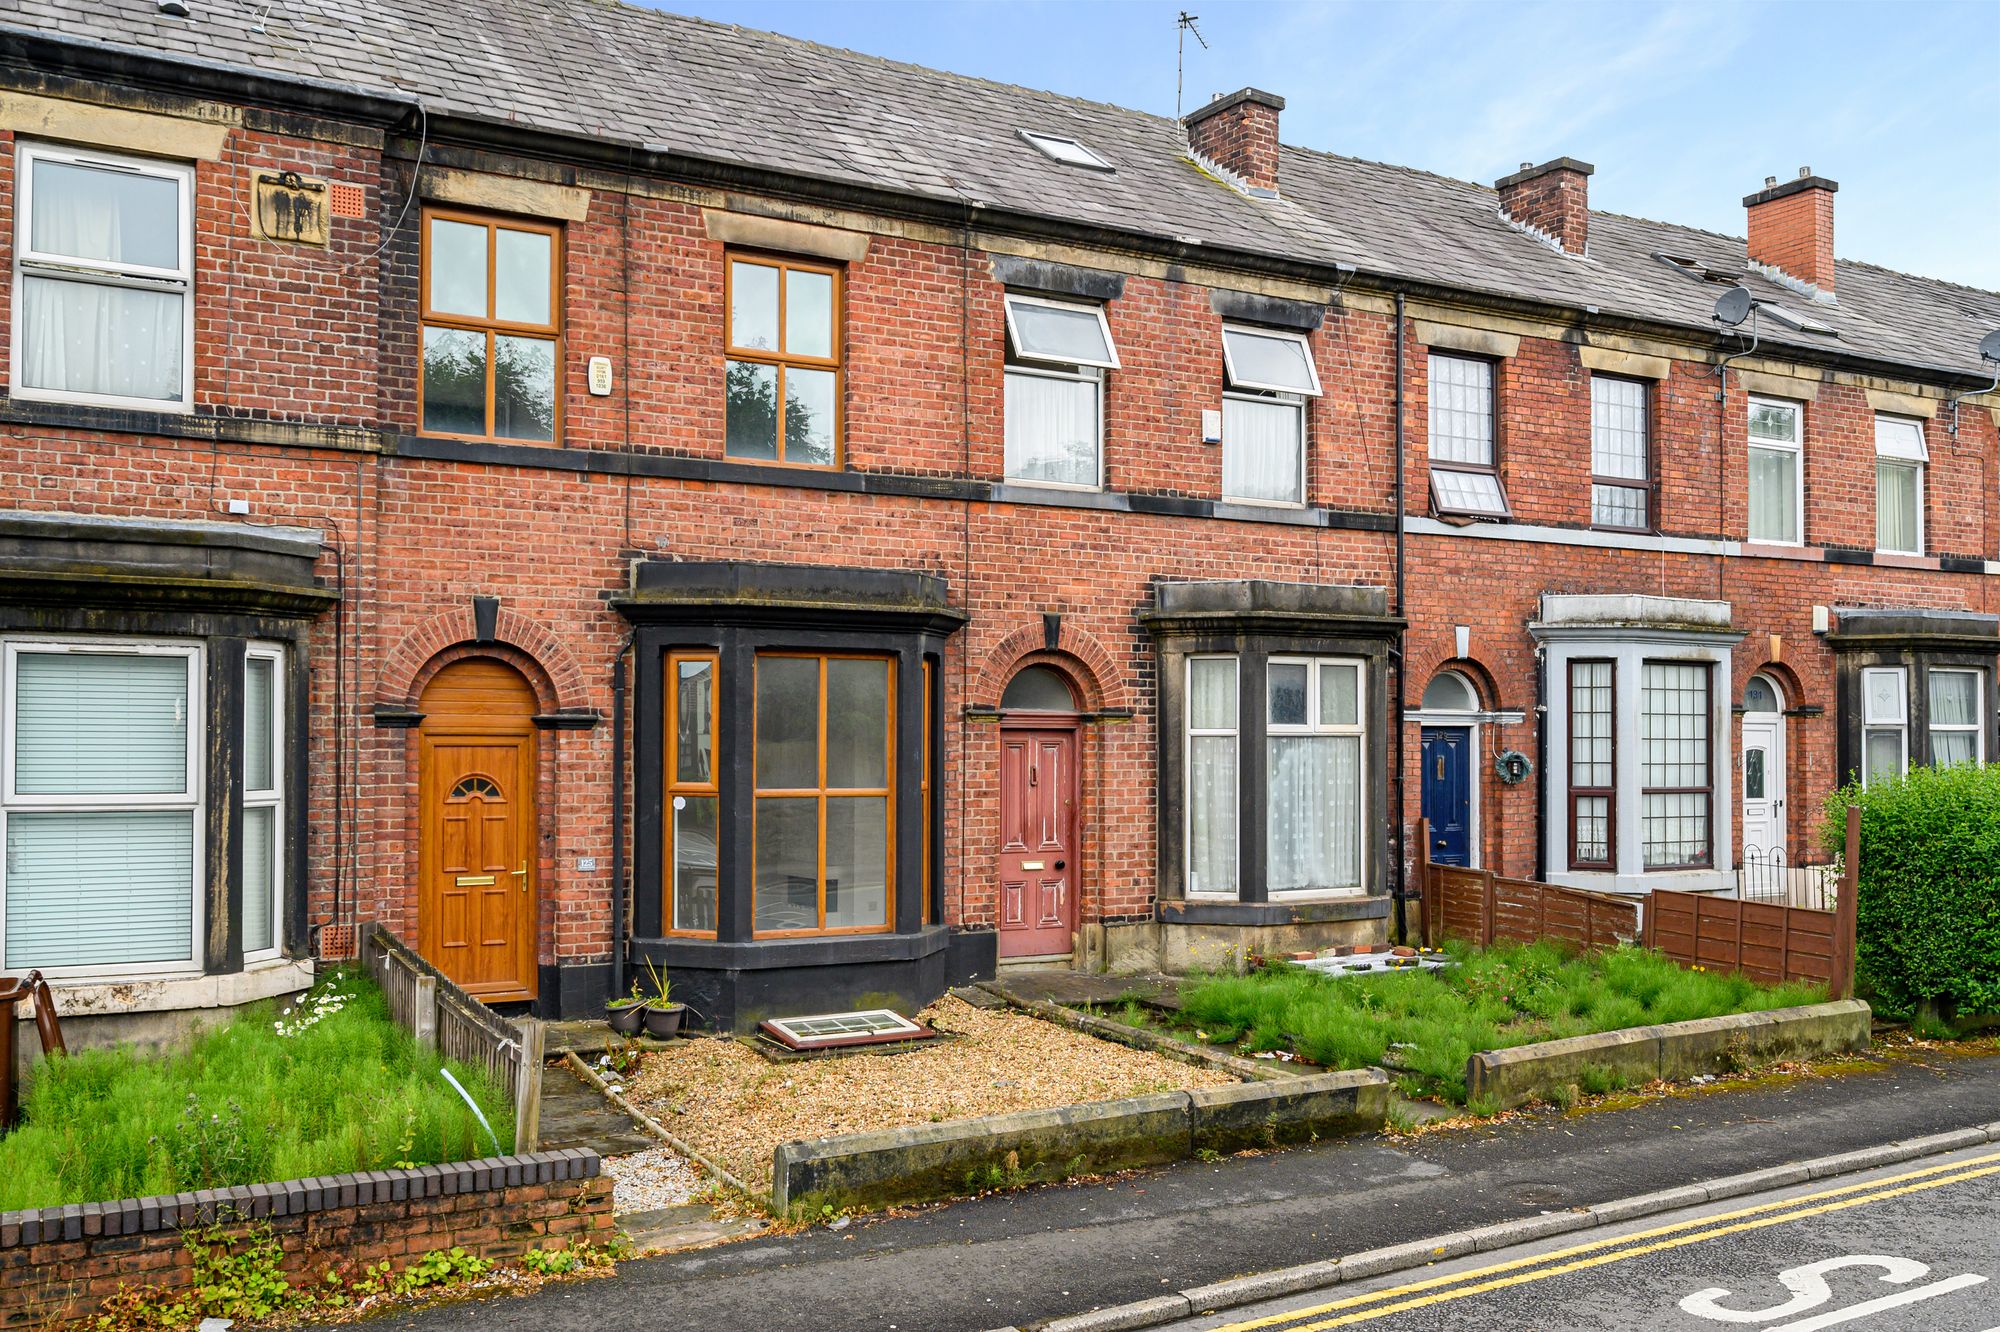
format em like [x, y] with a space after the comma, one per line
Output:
[1541, 768]
[618, 894]
[1402, 813]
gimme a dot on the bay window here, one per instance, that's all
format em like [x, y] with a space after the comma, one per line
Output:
[103, 278]
[1677, 789]
[1593, 793]
[1058, 352]
[824, 777]
[1465, 476]
[1885, 724]
[692, 794]
[263, 800]
[1777, 472]
[1957, 716]
[1899, 485]
[102, 808]
[1313, 734]
[1268, 376]
[1212, 776]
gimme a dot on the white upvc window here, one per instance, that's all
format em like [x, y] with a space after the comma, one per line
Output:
[1268, 376]
[1465, 479]
[103, 279]
[1777, 472]
[1213, 780]
[263, 801]
[1315, 796]
[1899, 485]
[101, 807]
[1885, 724]
[1620, 464]
[1058, 352]
[1957, 716]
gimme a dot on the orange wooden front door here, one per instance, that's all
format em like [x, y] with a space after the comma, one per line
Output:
[477, 901]
[1038, 861]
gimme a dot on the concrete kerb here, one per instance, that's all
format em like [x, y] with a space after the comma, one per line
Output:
[923, 1162]
[1233, 1294]
[1674, 1051]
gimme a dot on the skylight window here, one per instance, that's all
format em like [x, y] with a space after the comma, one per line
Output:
[823, 1031]
[1793, 319]
[1067, 151]
[1273, 362]
[1696, 269]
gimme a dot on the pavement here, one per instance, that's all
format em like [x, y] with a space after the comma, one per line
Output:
[1039, 1254]
[1907, 1246]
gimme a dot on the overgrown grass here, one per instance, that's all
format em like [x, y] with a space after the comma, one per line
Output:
[274, 1094]
[1426, 1024]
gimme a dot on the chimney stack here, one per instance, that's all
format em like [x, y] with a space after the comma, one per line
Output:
[1553, 198]
[1791, 228]
[1239, 133]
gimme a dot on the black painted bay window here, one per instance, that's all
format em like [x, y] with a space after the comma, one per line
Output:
[1273, 753]
[781, 726]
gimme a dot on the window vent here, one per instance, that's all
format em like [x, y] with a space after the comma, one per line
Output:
[830, 1031]
[1065, 150]
[346, 200]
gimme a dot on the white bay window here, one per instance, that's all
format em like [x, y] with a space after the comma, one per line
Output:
[1313, 733]
[1885, 724]
[103, 278]
[263, 800]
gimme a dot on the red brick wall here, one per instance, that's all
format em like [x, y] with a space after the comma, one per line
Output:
[62, 1263]
[328, 337]
[1555, 203]
[1242, 139]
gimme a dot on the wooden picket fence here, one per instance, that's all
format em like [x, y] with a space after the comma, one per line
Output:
[1765, 941]
[445, 1018]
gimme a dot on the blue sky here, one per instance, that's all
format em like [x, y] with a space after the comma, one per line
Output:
[1684, 108]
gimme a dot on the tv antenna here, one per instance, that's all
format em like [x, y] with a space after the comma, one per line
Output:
[1186, 24]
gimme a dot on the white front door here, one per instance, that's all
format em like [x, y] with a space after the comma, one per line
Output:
[1763, 789]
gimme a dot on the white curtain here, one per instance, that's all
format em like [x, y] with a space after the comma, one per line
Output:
[1212, 778]
[1261, 450]
[1774, 493]
[1051, 429]
[1313, 822]
[1896, 501]
[1954, 703]
[91, 337]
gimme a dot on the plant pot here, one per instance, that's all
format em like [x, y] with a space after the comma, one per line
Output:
[664, 1021]
[625, 1018]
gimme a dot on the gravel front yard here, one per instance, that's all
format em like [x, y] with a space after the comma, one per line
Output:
[728, 1100]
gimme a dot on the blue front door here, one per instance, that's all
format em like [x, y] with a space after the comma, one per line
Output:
[1447, 788]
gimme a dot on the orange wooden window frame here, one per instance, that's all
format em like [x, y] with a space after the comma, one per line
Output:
[822, 793]
[782, 358]
[490, 326]
[675, 787]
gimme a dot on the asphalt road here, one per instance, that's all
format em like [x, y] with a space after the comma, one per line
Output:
[1041, 1253]
[1908, 1247]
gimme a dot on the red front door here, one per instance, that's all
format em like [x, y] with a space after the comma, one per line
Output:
[1038, 863]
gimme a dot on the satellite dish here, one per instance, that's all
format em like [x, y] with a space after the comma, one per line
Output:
[1989, 346]
[1734, 306]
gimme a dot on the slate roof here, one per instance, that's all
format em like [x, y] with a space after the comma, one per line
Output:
[605, 69]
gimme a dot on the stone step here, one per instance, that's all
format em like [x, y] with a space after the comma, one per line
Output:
[684, 1227]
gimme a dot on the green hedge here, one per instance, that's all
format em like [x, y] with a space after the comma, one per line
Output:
[1928, 913]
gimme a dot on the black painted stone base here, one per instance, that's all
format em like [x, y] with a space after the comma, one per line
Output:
[573, 991]
[734, 986]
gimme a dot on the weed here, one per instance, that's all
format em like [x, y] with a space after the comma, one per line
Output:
[566, 1258]
[1208, 1154]
[1597, 1079]
[1484, 1107]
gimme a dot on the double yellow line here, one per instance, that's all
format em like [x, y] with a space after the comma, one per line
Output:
[1598, 1253]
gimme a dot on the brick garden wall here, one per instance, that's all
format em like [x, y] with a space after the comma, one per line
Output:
[61, 1263]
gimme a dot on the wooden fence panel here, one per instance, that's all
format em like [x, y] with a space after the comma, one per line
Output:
[1765, 941]
[1486, 909]
[438, 1013]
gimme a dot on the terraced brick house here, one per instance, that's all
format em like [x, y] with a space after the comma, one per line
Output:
[643, 489]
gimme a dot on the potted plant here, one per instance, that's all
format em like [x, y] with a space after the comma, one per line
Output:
[662, 1014]
[626, 1011]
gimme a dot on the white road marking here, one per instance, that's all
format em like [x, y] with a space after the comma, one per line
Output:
[1809, 1291]
[1900, 1298]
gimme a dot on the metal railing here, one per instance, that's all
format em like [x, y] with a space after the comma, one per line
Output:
[1765, 875]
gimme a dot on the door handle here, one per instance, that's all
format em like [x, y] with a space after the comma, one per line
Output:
[522, 875]
[1062, 864]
